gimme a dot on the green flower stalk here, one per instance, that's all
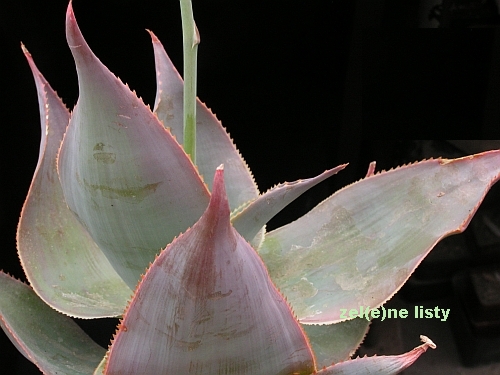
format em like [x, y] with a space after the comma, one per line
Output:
[191, 39]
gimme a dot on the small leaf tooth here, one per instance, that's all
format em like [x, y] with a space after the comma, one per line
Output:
[371, 169]
[213, 131]
[97, 78]
[241, 207]
[75, 36]
[51, 107]
[213, 226]
[286, 183]
[241, 156]
[13, 277]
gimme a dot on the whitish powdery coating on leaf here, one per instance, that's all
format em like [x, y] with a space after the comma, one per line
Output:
[207, 306]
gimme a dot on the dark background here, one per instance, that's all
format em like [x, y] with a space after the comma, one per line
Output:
[301, 86]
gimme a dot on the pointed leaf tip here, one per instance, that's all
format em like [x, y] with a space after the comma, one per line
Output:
[61, 261]
[25, 50]
[250, 220]
[359, 246]
[74, 36]
[214, 145]
[154, 38]
[107, 174]
[218, 201]
[219, 309]
[380, 365]
[82, 54]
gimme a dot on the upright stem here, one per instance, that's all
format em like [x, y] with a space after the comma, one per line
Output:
[191, 39]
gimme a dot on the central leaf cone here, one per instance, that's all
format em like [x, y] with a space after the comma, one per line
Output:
[207, 306]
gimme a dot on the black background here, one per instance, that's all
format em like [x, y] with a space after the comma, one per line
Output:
[301, 86]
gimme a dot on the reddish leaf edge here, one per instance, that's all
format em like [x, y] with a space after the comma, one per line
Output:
[204, 107]
[42, 86]
[18, 342]
[460, 229]
[11, 334]
[122, 327]
[77, 35]
[403, 361]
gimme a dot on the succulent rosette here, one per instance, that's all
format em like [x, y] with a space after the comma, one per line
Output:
[119, 222]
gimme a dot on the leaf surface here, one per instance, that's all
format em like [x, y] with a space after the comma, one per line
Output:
[379, 365]
[257, 213]
[207, 306]
[332, 343]
[123, 174]
[359, 246]
[52, 341]
[214, 146]
[62, 262]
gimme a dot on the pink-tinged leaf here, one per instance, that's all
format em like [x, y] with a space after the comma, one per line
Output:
[62, 262]
[257, 213]
[122, 173]
[207, 306]
[213, 144]
[52, 341]
[379, 365]
[371, 169]
[359, 246]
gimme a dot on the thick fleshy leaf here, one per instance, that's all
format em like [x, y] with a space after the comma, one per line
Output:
[122, 173]
[62, 262]
[52, 341]
[256, 214]
[379, 365]
[220, 312]
[214, 146]
[332, 343]
[359, 246]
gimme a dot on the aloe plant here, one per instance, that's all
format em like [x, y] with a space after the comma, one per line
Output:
[119, 222]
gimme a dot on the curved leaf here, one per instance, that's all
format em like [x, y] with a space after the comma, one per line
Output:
[359, 246]
[220, 312]
[379, 365]
[257, 213]
[62, 262]
[214, 146]
[100, 369]
[332, 343]
[122, 173]
[50, 340]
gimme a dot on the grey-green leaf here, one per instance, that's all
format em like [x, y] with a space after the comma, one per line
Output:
[206, 306]
[252, 217]
[332, 343]
[52, 341]
[214, 146]
[359, 246]
[62, 262]
[379, 365]
[123, 174]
